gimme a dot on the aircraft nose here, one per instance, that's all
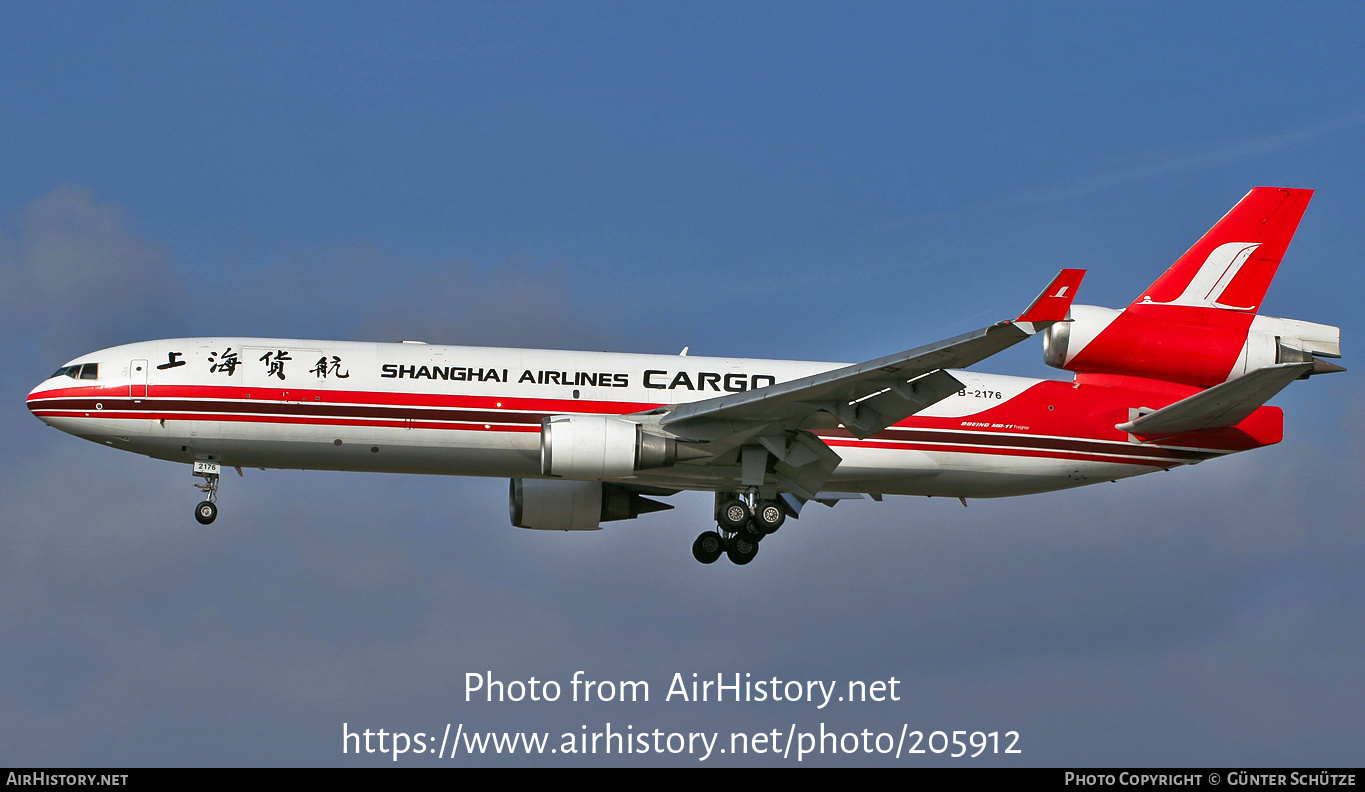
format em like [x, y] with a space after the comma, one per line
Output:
[34, 401]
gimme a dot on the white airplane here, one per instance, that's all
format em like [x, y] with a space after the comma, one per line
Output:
[1177, 377]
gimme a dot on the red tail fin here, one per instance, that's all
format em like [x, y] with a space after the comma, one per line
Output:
[1194, 325]
[1232, 265]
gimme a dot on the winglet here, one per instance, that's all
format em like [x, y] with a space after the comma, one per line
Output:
[1053, 304]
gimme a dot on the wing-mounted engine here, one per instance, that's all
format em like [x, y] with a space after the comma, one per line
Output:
[599, 447]
[557, 505]
[1192, 346]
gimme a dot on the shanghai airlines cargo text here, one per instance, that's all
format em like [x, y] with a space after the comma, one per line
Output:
[652, 378]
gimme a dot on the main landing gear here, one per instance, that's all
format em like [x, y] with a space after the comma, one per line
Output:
[742, 523]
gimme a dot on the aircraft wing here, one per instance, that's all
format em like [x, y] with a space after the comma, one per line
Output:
[865, 397]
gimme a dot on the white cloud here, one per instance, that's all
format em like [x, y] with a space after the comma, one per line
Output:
[74, 277]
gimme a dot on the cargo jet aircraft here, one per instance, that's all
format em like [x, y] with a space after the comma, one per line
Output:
[1177, 377]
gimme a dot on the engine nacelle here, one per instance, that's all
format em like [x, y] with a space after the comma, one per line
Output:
[598, 447]
[557, 505]
[1272, 340]
[1201, 349]
[1063, 340]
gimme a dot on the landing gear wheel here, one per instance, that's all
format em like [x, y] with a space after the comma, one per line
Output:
[769, 516]
[742, 550]
[733, 515]
[206, 512]
[708, 547]
[752, 531]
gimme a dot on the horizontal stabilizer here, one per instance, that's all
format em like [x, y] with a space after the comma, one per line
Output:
[1222, 405]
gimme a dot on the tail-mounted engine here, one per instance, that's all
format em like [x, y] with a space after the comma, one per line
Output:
[556, 505]
[1193, 346]
[597, 447]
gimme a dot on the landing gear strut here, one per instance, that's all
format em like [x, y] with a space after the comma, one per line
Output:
[207, 511]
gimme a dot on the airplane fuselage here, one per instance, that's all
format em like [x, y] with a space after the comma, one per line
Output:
[1181, 375]
[478, 411]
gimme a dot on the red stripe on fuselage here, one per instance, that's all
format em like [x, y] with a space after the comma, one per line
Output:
[902, 435]
[1003, 445]
[1014, 452]
[1048, 416]
[292, 419]
[382, 398]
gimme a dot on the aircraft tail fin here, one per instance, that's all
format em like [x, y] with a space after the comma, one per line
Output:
[1198, 323]
[1232, 265]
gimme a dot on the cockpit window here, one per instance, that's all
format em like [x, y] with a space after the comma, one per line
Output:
[85, 371]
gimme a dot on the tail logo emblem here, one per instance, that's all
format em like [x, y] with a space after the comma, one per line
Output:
[1214, 276]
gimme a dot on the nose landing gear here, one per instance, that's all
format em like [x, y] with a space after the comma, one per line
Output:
[207, 510]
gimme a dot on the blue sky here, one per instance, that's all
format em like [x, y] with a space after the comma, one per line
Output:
[791, 180]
